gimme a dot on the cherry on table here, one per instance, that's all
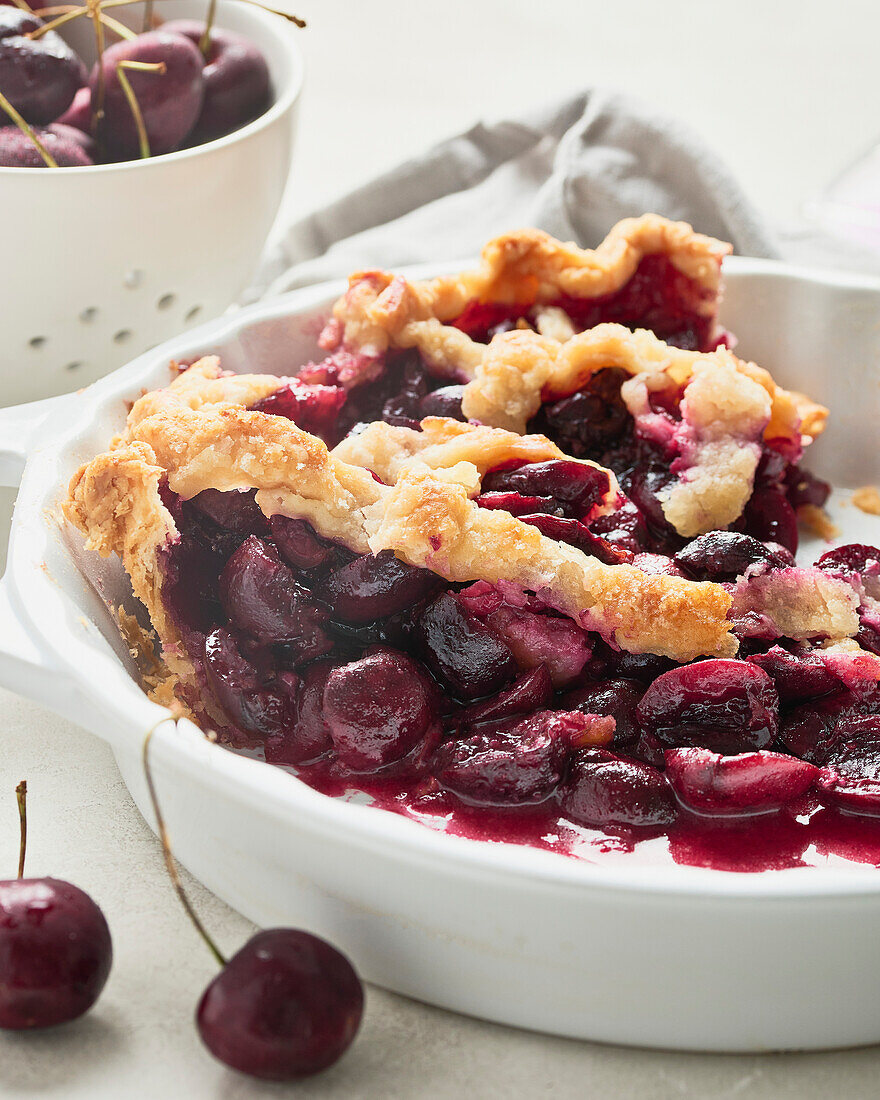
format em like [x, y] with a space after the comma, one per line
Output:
[236, 76]
[287, 1005]
[169, 101]
[39, 76]
[55, 948]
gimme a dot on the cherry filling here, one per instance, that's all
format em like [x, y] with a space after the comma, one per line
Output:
[658, 297]
[480, 706]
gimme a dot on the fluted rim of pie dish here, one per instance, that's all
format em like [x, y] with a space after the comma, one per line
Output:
[30, 580]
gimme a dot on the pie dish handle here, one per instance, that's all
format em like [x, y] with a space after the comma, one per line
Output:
[18, 427]
[23, 667]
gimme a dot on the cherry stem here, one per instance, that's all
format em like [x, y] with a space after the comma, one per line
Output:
[24, 5]
[92, 6]
[28, 132]
[140, 67]
[205, 40]
[169, 857]
[148, 16]
[118, 28]
[69, 13]
[94, 10]
[21, 798]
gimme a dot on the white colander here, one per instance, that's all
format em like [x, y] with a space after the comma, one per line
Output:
[99, 264]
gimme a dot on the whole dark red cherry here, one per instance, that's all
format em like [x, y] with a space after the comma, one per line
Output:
[170, 102]
[722, 704]
[18, 151]
[378, 708]
[55, 949]
[287, 1005]
[79, 114]
[39, 76]
[237, 87]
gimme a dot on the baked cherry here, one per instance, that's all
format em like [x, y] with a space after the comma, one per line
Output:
[55, 948]
[467, 654]
[315, 408]
[378, 709]
[514, 763]
[798, 675]
[617, 698]
[578, 535]
[298, 544]
[445, 401]
[590, 421]
[39, 76]
[604, 789]
[307, 736]
[261, 596]
[576, 486]
[374, 587]
[851, 775]
[854, 557]
[519, 505]
[234, 511]
[287, 1005]
[238, 688]
[726, 555]
[812, 729]
[18, 151]
[752, 782]
[169, 101]
[768, 516]
[725, 705]
[531, 692]
[535, 638]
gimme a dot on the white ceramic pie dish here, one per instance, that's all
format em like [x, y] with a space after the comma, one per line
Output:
[621, 949]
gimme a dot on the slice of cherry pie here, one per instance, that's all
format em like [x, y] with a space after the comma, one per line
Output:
[614, 354]
[471, 624]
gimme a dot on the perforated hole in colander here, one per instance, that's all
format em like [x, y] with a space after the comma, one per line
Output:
[192, 313]
[88, 315]
[166, 301]
[75, 365]
[122, 337]
[37, 342]
[133, 279]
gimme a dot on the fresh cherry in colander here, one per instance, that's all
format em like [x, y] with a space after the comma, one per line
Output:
[236, 79]
[39, 76]
[18, 151]
[55, 948]
[79, 114]
[169, 101]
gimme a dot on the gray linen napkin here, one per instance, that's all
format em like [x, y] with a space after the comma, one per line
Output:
[571, 168]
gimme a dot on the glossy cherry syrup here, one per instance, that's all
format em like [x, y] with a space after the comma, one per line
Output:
[55, 949]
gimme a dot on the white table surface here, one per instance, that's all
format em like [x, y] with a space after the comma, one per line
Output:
[784, 90]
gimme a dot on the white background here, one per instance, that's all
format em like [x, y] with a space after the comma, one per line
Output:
[786, 91]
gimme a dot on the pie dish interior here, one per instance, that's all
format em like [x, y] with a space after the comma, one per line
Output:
[510, 598]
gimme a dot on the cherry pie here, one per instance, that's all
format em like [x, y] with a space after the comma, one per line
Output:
[523, 635]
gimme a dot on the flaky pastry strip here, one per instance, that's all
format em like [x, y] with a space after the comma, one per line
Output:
[524, 268]
[425, 518]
